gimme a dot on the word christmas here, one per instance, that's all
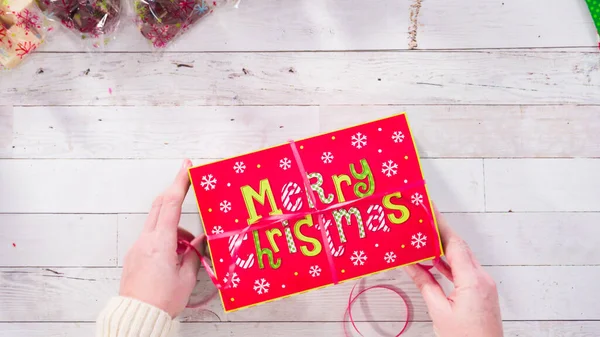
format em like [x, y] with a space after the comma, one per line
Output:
[366, 189]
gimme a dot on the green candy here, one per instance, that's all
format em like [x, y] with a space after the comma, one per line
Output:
[594, 6]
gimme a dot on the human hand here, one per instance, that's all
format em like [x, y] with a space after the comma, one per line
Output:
[472, 309]
[153, 272]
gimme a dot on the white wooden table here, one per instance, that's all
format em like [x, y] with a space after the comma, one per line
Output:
[503, 96]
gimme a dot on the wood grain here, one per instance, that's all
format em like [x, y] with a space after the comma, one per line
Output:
[306, 78]
[542, 185]
[129, 186]
[519, 239]
[455, 184]
[469, 131]
[509, 136]
[504, 239]
[349, 25]
[301, 329]
[505, 24]
[153, 132]
[6, 128]
[85, 186]
[490, 131]
[35, 294]
[530, 238]
[58, 240]
[271, 25]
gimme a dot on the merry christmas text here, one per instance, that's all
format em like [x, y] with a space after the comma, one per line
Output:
[360, 180]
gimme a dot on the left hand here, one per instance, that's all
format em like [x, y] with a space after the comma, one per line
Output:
[153, 272]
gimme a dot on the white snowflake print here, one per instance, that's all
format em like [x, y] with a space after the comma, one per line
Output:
[389, 168]
[416, 199]
[358, 258]
[217, 230]
[208, 182]
[327, 157]
[359, 140]
[225, 206]
[389, 257]
[398, 137]
[235, 280]
[418, 240]
[285, 163]
[239, 167]
[315, 271]
[261, 286]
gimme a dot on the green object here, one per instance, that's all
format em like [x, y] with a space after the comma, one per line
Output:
[594, 6]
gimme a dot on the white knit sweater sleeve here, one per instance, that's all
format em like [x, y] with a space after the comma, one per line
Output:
[127, 317]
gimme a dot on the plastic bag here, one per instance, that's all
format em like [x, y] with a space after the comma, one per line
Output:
[22, 29]
[94, 20]
[160, 21]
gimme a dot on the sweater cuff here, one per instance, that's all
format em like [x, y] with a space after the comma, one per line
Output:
[124, 316]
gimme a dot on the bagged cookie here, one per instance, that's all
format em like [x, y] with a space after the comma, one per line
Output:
[93, 20]
[23, 29]
[160, 21]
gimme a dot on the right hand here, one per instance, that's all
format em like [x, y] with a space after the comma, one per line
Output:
[472, 309]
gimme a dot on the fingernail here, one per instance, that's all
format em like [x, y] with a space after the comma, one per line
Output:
[410, 270]
[186, 163]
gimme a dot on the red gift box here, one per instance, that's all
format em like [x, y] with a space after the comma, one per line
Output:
[367, 210]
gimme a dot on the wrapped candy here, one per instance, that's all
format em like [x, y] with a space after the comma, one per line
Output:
[95, 20]
[160, 21]
[594, 6]
[22, 29]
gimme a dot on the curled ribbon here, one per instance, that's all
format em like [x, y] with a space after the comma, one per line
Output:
[351, 301]
[274, 219]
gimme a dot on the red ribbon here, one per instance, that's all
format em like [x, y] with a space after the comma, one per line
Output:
[313, 199]
[270, 220]
[351, 301]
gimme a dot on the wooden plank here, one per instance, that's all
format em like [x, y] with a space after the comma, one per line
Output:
[455, 185]
[154, 132]
[85, 186]
[129, 186]
[331, 25]
[37, 293]
[301, 329]
[216, 132]
[6, 127]
[542, 185]
[58, 240]
[34, 294]
[530, 238]
[486, 131]
[505, 24]
[306, 78]
[270, 25]
[131, 225]
[496, 238]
